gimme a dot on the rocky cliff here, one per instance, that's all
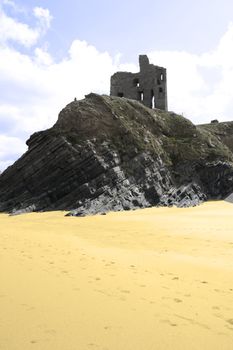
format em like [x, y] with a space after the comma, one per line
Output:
[108, 153]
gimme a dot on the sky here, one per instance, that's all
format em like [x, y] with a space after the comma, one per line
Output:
[53, 51]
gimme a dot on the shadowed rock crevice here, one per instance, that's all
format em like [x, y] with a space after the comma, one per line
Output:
[108, 153]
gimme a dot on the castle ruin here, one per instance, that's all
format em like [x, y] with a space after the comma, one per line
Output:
[149, 86]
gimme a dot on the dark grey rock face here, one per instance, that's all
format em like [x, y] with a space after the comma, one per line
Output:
[107, 153]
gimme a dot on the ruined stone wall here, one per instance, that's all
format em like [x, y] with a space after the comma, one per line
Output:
[149, 86]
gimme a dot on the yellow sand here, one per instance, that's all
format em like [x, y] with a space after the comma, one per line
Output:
[145, 280]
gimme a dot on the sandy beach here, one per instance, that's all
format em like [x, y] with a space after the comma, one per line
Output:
[152, 279]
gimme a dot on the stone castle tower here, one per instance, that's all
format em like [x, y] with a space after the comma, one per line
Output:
[148, 86]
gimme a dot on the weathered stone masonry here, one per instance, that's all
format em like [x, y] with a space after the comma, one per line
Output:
[148, 86]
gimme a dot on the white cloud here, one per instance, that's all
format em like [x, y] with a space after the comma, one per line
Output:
[13, 5]
[34, 88]
[44, 17]
[42, 57]
[200, 86]
[10, 147]
[12, 30]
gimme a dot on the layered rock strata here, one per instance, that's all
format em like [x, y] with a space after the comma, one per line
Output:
[108, 153]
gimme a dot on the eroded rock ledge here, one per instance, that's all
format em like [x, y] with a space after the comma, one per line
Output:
[108, 153]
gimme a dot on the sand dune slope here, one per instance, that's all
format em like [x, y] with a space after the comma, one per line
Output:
[145, 280]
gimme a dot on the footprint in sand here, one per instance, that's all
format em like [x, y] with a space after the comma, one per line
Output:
[165, 287]
[50, 331]
[169, 322]
[215, 307]
[178, 300]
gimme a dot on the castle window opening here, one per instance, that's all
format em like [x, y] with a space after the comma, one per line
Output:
[120, 94]
[161, 90]
[153, 102]
[140, 96]
[152, 99]
[161, 77]
[136, 82]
